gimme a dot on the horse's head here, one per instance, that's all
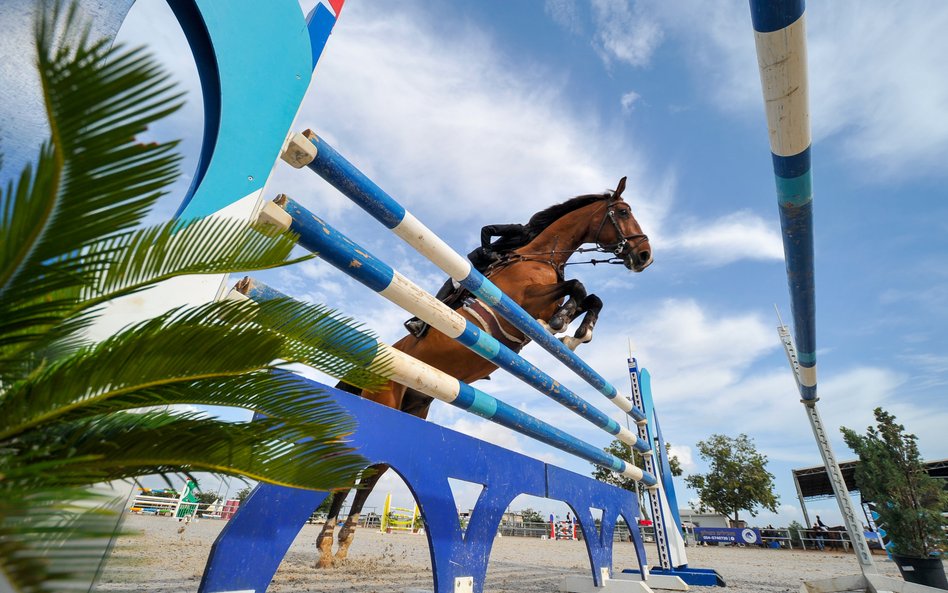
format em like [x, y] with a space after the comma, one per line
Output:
[620, 233]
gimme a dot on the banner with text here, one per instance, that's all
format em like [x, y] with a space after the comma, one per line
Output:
[728, 535]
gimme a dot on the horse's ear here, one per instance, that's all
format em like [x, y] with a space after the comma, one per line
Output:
[619, 189]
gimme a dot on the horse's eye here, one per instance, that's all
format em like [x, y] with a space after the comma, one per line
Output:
[624, 213]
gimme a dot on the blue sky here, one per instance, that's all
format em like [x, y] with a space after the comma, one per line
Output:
[485, 112]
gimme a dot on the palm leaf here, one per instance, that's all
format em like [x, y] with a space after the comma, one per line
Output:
[205, 343]
[50, 537]
[93, 180]
[121, 445]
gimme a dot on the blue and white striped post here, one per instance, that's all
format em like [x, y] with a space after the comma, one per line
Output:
[780, 35]
[307, 149]
[413, 373]
[358, 263]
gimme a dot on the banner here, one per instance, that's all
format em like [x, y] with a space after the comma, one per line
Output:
[728, 535]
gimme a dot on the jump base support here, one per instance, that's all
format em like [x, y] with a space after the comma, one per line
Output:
[696, 577]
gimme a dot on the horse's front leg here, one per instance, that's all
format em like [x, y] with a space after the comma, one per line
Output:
[568, 311]
[324, 540]
[347, 532]
[547, 296]
[592, 305]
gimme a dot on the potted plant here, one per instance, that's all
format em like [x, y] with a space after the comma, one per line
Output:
[909, 502]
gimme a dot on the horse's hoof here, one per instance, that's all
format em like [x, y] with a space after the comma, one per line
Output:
[545, 325]
[324, 561]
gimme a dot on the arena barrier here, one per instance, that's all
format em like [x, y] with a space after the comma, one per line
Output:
[251, 546]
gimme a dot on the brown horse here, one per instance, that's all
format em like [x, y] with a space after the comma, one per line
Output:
[533, 277]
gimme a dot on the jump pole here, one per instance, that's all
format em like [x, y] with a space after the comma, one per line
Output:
[413, 373]
[359, 263]
[672, 572]
[780, 37]
[308, 150]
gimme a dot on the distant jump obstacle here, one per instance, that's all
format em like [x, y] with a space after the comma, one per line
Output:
[397, 518]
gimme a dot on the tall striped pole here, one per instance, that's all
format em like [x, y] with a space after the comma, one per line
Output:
[780, 35]
[308, 150]
[360, 264]
[408, 371]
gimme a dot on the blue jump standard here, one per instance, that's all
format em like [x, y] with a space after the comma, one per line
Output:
[698, 577]
[251, 546]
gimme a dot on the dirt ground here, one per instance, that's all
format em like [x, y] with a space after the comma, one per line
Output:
[157, 558]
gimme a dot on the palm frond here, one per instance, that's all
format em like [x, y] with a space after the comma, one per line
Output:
[183, 346]
[52, 537]
[205, 246]
[94, 180]
[122, 445]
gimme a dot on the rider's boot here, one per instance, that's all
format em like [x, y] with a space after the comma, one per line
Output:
[417, 327]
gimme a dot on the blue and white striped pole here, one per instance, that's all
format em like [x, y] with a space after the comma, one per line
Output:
[780, 34]
[413, 373]
[358, 263]
[307, 149]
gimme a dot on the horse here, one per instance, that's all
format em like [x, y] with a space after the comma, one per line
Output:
[533, 276]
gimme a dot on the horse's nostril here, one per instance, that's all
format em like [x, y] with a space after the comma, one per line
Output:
[644, 256]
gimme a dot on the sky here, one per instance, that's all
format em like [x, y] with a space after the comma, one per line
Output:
[485, 112]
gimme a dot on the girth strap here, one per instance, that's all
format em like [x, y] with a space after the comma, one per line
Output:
[488, 321]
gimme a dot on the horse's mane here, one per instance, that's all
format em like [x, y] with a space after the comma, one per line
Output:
[544, 218]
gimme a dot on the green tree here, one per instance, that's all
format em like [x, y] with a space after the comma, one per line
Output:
[891, 474]
[531, 516]
[206, 498]
[630, 455]
[737, 479]
[71, 241]
[243, 493]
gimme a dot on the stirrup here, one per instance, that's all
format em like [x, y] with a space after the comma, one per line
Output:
[417, 327]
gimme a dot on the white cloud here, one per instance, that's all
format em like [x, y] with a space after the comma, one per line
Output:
[684, 455]
[624, 32]
[436, 115]
[629, 100]
[875, 74]
[733, 237]
[564, 13]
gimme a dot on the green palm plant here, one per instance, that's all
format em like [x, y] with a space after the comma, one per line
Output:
[74, 413]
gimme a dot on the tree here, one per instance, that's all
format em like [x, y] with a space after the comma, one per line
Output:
[892, 475]
[206, 498]
[531, 516]
[243, 493]
[737, 478]
[70, 242]
[629, 455]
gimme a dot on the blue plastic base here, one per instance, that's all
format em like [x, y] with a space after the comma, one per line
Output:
[252, 545]
[698, 577]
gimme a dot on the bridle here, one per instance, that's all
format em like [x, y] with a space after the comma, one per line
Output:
[619, 247]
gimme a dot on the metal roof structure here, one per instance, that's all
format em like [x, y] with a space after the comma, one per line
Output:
[814, 483]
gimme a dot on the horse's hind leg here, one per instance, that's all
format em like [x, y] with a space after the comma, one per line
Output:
[347, 532]
[324, 540]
